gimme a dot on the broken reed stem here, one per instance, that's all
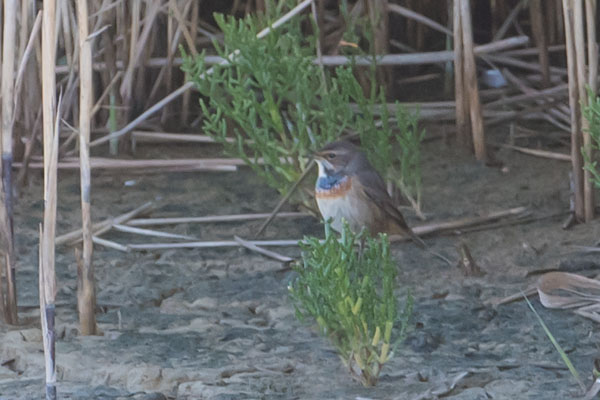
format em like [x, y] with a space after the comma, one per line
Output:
[86, 287]
[211, 218]
[6, 190]
[47, 249]
[75, 236]
[470, 78]
[462, 102]
[576, 158]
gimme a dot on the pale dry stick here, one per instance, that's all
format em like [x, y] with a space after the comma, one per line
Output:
[530, 66]
[464, 222]
[271, 254]
[558, 91]
[151, 232]
[470, 78]
[210, 244]
[50, 115]
[86, 286]
[142, 117]
[405, 12]
[6, 189]
[110, 244]
[162, 137]
[182, 25]
[582, 79]
[535, 152]
[74, 237]
[211, 218]
[35, 30]
[461, 100]
[136, 165]
[576, 158]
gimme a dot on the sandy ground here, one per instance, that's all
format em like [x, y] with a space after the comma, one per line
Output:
[218, 324]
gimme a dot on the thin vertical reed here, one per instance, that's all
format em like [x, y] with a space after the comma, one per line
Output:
[462, 102]
[580, 53]
[541, 39]
[6, 189]
[592, 46]
[86, 290]
[576, 158]
[50, 130]
[470, 71]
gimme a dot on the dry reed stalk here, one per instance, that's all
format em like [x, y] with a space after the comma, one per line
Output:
[35, 30]
[576, 158]
[530, 66]
[470, 78]
[410, 14]
[75, 236]
[86, 287]
[538, 153]
[582, 79]
[211, 244]
[463, 132]
[165, 137]
[541, 40]
[188, 85]
[271, 254]
[6, 189]
[50, 118]
[110, 244]
[150, 232]
[211, 218]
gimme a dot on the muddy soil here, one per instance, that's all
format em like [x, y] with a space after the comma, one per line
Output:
[218, 323]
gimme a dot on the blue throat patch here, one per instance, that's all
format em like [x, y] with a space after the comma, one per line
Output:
[330, 181]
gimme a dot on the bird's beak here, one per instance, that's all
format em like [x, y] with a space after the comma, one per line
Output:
[317, 155]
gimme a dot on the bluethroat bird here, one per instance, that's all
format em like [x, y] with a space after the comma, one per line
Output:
[348, 187]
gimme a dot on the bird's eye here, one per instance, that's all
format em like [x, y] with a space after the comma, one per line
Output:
[331, 156]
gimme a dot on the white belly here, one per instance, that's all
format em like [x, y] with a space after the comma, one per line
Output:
[348, 208]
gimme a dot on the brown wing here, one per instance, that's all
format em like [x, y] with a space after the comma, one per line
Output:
[374, 188]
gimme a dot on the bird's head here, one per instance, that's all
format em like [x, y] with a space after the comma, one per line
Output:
[335, 157]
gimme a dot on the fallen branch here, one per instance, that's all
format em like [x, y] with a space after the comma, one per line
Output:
[538, 153]
[100, 227]
[211, 218]
[150, 232]
[265, 252]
